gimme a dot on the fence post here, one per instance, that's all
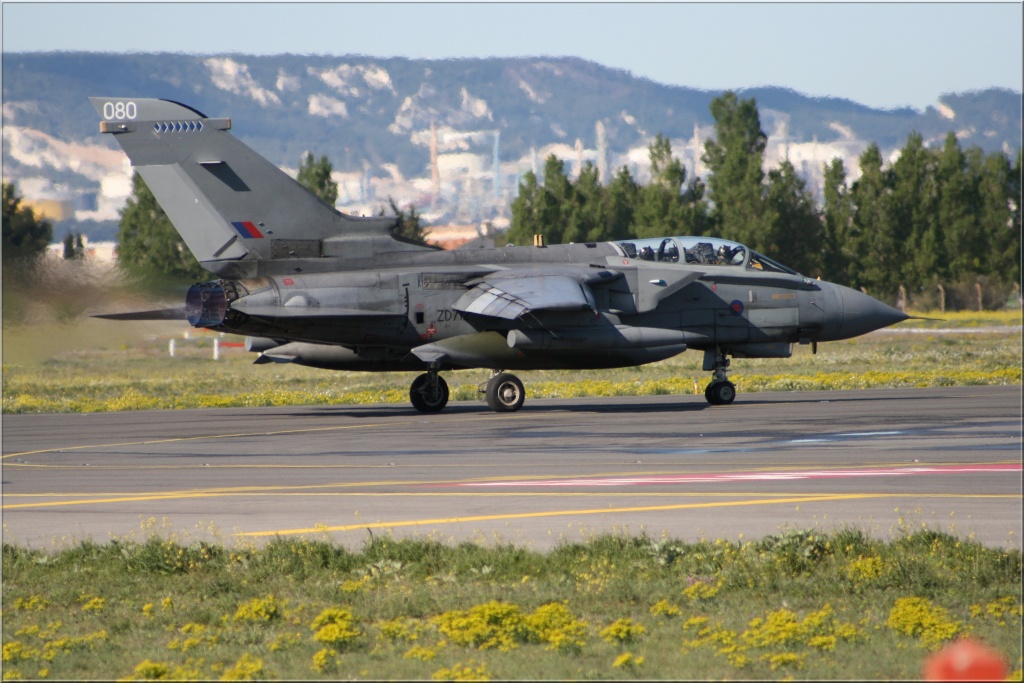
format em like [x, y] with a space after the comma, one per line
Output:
[977, 287]
[942, 299]
[170, 347]
[216, 349]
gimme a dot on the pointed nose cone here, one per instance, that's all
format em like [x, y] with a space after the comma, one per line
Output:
[863, 314]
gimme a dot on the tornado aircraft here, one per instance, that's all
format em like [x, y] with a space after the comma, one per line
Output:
[310, 285]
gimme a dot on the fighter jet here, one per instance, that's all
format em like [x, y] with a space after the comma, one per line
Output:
[310, 285]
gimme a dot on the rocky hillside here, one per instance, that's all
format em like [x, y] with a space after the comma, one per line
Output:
[373, 118]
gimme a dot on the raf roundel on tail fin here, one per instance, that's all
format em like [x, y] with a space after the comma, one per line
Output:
[247, 229]
[239, 214]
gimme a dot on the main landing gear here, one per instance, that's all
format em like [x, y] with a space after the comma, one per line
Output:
[721, 391]
[429, 392]
[504, 392]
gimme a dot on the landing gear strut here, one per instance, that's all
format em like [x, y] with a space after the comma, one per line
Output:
[720, 392]
[504, 392]
[429, 392]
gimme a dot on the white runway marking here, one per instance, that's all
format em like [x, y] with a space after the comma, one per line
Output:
[755, 476]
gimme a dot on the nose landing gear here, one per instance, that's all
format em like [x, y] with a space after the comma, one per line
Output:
[720, 392]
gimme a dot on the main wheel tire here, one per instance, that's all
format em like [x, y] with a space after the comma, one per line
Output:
[427, 398]
[505, 393]
[720, 393]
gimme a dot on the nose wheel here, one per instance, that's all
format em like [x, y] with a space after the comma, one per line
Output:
[721, 392]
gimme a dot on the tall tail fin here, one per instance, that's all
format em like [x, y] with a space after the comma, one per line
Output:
[234, 209]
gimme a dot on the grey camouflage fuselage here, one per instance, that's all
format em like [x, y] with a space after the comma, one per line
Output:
[310, 285]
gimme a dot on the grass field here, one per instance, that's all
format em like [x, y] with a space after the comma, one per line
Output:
[796, 605]
[92, 366]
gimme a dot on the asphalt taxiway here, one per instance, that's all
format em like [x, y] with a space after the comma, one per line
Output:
[887, 461]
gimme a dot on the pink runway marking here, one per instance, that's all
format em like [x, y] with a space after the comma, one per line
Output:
[756, 476]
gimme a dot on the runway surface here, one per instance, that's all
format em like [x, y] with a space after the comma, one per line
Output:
[887, 462]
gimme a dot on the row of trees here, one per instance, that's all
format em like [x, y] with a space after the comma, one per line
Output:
[931, 216]
[25, 235]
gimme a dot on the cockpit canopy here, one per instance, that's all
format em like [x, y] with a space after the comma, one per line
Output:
[699, 250]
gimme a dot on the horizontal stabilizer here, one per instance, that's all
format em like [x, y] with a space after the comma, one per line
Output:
[159, 314]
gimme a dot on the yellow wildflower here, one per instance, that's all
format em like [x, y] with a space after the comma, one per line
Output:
[622, 631]
[462, 672]
[492, 624]
[627, 661]
[664, 607]
[920, 618]
[422, 653]
[259, 610]
[247, 668]
[325, 659]
[335, 626]
[94, 605]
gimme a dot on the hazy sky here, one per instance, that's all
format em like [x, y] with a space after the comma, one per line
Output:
[879, 54]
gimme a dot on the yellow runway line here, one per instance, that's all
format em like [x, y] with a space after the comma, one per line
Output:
[555, 513]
